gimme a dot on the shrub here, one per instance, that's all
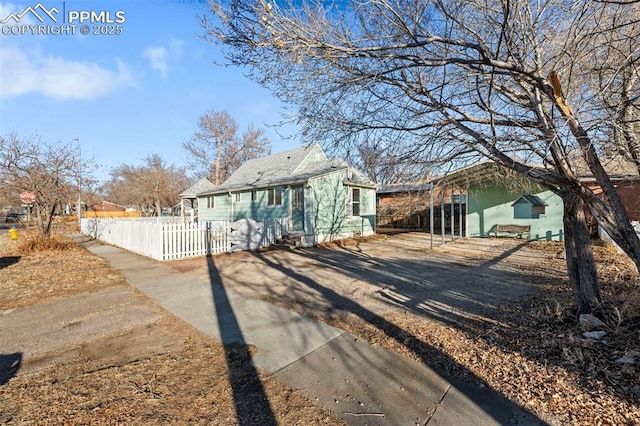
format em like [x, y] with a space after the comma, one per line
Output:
[37, 243]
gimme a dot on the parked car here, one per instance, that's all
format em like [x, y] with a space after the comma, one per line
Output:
[15, 217]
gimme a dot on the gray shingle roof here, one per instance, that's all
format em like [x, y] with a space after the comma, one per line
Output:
[281, 169]
[534, 200]
[404, 187]
[200, 186]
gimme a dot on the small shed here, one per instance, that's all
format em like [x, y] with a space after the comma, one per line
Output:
[529, 206]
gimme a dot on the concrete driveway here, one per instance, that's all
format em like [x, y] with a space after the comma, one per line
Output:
[363, 383]
[461, 283]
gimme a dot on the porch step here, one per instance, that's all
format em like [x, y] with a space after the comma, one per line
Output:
[289, 241]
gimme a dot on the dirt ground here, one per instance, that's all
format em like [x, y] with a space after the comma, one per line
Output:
[493, 311]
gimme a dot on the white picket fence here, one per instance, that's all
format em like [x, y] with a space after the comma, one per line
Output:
[606, 238]
[171, 240]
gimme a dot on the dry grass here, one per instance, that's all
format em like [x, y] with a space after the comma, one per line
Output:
[35, 270]
[34, 243]
[189, 386]
[350, 242]
[165, 372]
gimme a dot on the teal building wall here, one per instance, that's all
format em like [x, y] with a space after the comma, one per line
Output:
[492, 204]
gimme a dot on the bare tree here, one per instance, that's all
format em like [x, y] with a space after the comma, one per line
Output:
[610, 67]
[151, 186]
[51, 171]
[458, 79]
[216, 150]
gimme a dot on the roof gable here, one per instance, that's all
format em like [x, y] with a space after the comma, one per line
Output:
[315, 154]
[293, 166]
[530, 199]
[265, 171]
[200, 186]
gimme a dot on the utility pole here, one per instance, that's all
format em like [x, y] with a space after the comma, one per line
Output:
[79, 201]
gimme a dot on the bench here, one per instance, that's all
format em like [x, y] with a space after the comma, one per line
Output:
[519, 230]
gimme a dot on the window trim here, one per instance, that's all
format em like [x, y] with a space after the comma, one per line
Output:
[274, 196]
[355, 203]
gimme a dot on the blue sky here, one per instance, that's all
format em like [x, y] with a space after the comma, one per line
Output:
[122, 96]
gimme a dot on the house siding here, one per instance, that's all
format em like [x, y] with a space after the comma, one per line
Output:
[221, 210]
[330, 215]
[244, 208]
[258, 209]
[323, 215]
[316, 154]
[491, 205]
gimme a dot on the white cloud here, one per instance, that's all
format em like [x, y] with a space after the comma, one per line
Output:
[158, 59]
[176, 46]
[57, 77]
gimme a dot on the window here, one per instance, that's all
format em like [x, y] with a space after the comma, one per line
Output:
[210, 201]
[254, 195]
[297, 197]
[274, 196]
[355, 201]
[237, 196]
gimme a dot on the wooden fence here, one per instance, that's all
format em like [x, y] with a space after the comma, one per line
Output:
[163, 239]
[99, 213]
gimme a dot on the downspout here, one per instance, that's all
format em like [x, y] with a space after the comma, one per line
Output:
[312, 218]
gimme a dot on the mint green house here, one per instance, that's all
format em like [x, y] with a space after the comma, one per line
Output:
[497, 197]
[319, 199]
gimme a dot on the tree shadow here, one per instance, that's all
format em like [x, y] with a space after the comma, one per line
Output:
[6, 261]
[492, 402]
[432, 288]
[9, 366]
[251, 402]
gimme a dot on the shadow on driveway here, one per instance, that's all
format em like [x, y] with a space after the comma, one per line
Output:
[249, 397]
[9, 366]
[493, 403]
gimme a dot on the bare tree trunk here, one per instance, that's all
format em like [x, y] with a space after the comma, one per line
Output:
[49, 223]
[627, 121]
[609, 212]
[612, 214]
[580, 261]
[218, 164]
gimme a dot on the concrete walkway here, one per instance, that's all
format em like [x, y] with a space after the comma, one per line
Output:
[364, 385]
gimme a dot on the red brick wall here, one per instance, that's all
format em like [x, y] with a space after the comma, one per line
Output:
[630, 195]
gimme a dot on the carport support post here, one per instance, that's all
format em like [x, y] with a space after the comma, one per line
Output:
[460, 211]
[442, 231]
[453, 216]
[431, 215]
